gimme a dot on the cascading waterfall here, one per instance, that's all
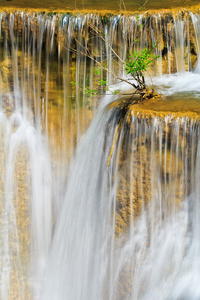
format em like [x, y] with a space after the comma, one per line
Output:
[26, 207]
[128, 227]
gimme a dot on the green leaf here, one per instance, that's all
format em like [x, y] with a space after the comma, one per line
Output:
[103, 82]
[74, 83]
[97, 71]
[116, 92]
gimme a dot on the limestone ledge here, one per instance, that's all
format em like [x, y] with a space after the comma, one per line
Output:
[14, 7]
[162, 108]
[136, 157]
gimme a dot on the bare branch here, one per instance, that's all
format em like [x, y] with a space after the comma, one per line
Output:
[102, 37]
[137, 80]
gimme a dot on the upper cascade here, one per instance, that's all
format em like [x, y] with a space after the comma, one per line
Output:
[176, 35]
[42, 61]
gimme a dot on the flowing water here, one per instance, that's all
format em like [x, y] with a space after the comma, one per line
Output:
[118, 216]
[130, 229]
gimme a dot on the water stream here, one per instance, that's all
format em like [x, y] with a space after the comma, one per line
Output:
[131, 228]
[118, 216]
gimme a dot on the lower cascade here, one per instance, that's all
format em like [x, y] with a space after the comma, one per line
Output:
[129, 227]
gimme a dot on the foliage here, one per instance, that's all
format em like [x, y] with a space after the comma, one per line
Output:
[138, 64]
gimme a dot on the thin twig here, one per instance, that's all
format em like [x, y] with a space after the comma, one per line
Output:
[99, 33]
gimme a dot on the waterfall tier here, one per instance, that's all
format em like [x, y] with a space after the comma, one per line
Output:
[130, 229]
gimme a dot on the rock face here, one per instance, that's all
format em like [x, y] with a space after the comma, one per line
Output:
[154, 157]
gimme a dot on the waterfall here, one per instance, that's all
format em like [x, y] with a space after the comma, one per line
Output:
[26, 207]
[38, 60]
[116, 217]
[130, 229]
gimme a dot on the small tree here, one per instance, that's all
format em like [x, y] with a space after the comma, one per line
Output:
[136, 66]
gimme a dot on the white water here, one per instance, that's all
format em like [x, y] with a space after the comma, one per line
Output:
[25, 207]
[186, 83]
[158, 255]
